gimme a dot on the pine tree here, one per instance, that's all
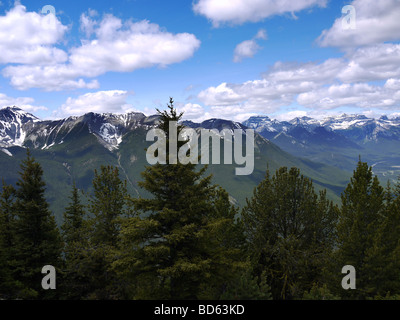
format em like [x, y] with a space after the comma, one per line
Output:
[8, 285]
[175, 247]
[361, 217]
[383, 258]
[75, 232]
[74, 221]
[38, 241]
[290, 230]
[107, 207]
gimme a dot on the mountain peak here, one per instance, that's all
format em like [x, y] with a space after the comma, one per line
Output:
[13, 108]
[14, 111]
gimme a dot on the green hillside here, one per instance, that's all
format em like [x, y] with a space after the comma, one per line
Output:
[81, 153]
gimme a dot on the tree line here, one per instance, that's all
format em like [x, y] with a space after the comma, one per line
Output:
[188, 241]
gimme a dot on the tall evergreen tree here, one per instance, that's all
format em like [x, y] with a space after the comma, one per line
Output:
[74, 221]
[75, 232]
[174, 244]
[107, 207]
[383, 257]
[8, 285]
[290, 230]
[361, 217]
[38, 241]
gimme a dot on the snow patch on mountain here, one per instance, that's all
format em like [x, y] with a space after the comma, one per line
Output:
[366, 129]
[110, 134]
[13, 122]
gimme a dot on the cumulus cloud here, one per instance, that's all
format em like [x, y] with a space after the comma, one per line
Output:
[376, 22]
[28, 37]
[378, 62]
[287, 116]
[113, 101]
[245, 49]
[261, 34]
[87, 24]
[25, 103]
[117, 46]
[333, 83]
[361, 95]
[256, 95]
[240, 11]
[193, 112]
[248, 48]
[49, 78]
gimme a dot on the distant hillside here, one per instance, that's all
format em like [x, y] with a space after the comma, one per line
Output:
[72, 148]
[338, 141]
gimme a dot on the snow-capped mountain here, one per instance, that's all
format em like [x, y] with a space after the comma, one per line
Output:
[14, 124]
[338, 141]
[19, 128]
[71, 149]
[357, 128]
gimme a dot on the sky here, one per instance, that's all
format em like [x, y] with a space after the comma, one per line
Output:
[228, 59]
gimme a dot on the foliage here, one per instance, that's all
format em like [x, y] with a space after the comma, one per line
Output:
[290, 230]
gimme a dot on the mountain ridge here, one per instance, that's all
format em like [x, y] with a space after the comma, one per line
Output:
[338, 140]
[71, 149]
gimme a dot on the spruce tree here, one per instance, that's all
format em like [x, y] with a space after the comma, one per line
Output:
[75, 232]
[107, 207]
[174, 247]
[38, 241]
[8, 285]
[383, 257]
[361, 217]
[290, 231]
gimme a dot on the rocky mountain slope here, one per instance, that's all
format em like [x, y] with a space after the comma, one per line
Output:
[71, 149]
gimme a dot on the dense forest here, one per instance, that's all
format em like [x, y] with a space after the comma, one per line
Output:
[188, 241]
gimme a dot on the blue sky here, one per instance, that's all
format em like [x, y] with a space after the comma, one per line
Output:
[216, 58]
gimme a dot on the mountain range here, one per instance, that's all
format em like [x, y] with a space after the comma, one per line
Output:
[338, 140]
[71, 149]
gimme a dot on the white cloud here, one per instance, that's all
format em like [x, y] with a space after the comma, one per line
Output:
[193, 112]
[28, 37]
[261, 34]
[117, 47]
[378, 62]
[245, 49]
[113, 101]
[287, 116]
[361, 95]
[331, 84]
[130, 46]
[290, 72]
[49, 78]
[256, 95]
[376, 22]
[197, 113]
[248, 48]
[25, 103]
[240, 11]
[87, 25]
